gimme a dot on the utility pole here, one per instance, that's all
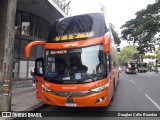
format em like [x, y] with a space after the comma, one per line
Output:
[140, 57]
[156, 66]
[7, 36]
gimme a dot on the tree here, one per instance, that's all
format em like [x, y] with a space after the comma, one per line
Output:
[158, 57]
[128, 53]
[150, 56]
[115, 34]
[158, 54]
[143, 28]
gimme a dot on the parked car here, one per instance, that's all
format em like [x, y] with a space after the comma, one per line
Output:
[120, 69]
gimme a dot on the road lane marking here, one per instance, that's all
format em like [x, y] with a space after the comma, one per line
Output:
[132, 81]
[156, 104]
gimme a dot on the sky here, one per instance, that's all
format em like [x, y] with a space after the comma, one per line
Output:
[117, 11]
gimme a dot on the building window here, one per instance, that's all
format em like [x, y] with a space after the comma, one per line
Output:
[41, 28]
[18, 23]
[40, 51]
[48, 29]
[34, 26]
[33, 53]
[25, 24]
[31, 25]
[17, 49]
[22, 47]
[23, 69]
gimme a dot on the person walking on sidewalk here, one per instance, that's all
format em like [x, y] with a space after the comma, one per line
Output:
[33, 77]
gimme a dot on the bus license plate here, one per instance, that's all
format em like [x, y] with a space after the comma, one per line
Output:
[71, 104]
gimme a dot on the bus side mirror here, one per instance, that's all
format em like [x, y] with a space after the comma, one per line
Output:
[30, 45]
[106, 42]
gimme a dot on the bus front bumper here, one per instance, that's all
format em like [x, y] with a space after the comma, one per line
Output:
[93, 100]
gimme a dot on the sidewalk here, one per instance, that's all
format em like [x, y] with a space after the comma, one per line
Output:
[158, 73]
[24, 96]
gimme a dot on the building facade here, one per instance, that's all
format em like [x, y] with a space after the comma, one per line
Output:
[34, 19]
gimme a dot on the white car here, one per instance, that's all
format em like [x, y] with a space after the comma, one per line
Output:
[120, 69]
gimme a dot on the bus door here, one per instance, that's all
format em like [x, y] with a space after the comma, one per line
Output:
[39, 76]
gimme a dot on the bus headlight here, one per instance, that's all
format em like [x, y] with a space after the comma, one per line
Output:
[46, 89]
[99, 89]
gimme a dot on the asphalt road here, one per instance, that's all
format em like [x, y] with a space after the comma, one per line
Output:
[140, 92]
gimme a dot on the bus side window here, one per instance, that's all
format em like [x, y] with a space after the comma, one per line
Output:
[108, 60]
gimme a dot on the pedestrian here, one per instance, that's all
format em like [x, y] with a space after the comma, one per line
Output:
[33, 77]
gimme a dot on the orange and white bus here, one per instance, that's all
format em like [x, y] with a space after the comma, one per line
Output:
[131, 66]
[80, 63]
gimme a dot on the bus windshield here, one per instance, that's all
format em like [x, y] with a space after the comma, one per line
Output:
[132, 65]
[142, 65]
[80, 64]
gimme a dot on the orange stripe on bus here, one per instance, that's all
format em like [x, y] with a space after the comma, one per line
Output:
[75, 44]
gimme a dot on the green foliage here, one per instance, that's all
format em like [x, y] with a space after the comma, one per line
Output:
[115, 34]
[150, 56]
[159, 48]
[128, 53]
[158, 55]
[143, 28]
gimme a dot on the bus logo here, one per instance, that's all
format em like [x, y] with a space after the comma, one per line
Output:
[69, 95]
[71, 44]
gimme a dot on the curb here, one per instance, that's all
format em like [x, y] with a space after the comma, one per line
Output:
[36, 108]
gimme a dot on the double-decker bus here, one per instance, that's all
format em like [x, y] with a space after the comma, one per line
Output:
[131, 66]
[80, 63]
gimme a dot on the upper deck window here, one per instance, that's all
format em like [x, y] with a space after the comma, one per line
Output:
[78, 28]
